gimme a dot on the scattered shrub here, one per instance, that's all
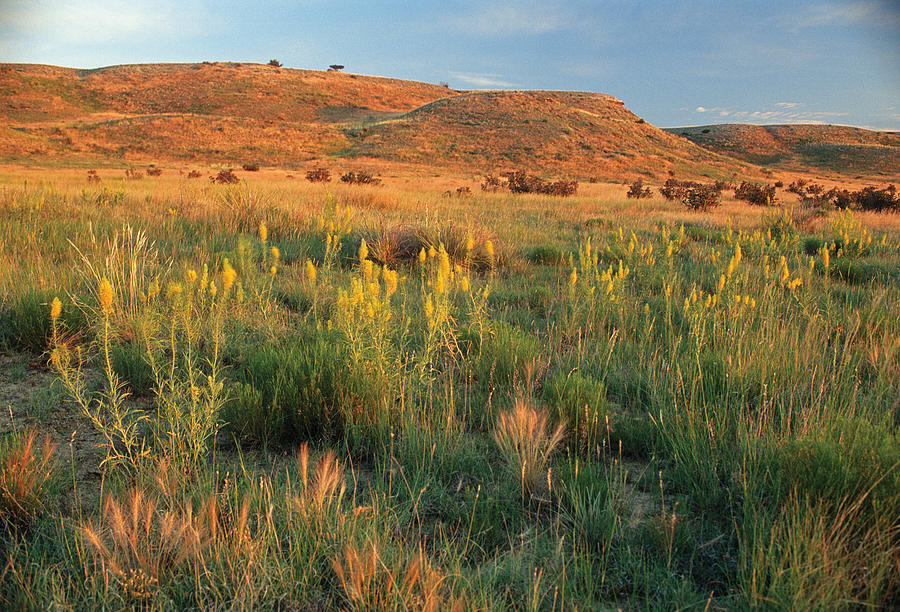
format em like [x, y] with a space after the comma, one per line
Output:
[491, 184]
[275, 63]
[359, 178]
[638, 191]
[519, 181]
[755, 193]
[702, 197]
[251, 167]
[318, 175]
[877, 200]
[225, 177]
[93, 177]
[194, 174]
[154, 171]
[133, 175]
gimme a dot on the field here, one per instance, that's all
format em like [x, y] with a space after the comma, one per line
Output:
[286, 395]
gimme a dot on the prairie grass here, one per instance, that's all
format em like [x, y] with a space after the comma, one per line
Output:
[332, 396]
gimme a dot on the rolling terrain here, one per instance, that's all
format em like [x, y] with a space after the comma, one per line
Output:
[237, 113]
[832, 148]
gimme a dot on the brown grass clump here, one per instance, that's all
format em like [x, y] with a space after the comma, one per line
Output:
[526, 444]
[359, 178]
[25, 471]
[370, 584]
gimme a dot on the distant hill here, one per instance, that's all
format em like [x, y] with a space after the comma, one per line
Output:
[571, 133]
[238, 113]
[840, 149]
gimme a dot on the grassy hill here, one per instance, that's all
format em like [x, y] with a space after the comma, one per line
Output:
[575, 133]
[834, 148]
[235, 113]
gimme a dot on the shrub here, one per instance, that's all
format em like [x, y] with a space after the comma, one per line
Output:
[133, 175]
[519, 181]
[798, 187]
[755, 193]
[318, 175]
[701, 197]
[491, 184]
[638, 191]
[877, 200]
[508, 355]
[93, 177]
[194, 174]
[359, 178]
[225, 177]
[275, 63]
[26, 469]
[251, 167]
[154, 171]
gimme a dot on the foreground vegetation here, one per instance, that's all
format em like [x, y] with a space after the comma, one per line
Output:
[351, 397]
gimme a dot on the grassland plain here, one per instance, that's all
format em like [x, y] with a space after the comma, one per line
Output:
[280, 395]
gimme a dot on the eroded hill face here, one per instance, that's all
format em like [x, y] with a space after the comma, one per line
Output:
[574, 133]
[839, 149]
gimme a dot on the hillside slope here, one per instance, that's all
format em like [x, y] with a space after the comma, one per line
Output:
[238, 113]
[575, 133]
[833, 148]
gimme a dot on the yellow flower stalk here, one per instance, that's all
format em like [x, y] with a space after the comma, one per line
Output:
[229, 275]
[173, 289]
[212, 288]
[363, 251]
[721, 284]
[55, 309]
[263, 232]
[239, 293]
[191, 277]
[432, 253]
[464, 284]
[470, 243]
[273, 270]
[310, 271]
[105, 295]
[422, 255]
[489, 248]
[826, 257]
[573, 277]
[276, 253]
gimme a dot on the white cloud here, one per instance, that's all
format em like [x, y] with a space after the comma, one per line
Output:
[863, 11]
[701, 109]
[514, 18]
[487, 81]
[101, 21]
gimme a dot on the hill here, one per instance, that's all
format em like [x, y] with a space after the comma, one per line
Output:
[575, 133]
[237, 113]
[834, 148]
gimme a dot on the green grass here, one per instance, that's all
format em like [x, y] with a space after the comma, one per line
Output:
[731, 438]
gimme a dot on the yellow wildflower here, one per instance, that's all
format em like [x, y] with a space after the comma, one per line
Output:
[273, 270]
[310, 271]
[105, 294]
[191, 277]
[228, 276]
[212, 288]
[276, 253]
[263, 232]
[55, 309]
[422, 255]
[363, 250]
[489, 248]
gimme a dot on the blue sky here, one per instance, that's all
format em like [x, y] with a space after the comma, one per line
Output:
[673, 63]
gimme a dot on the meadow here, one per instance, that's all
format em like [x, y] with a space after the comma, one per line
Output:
[283, 395]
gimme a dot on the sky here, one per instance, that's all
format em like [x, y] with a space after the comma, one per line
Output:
[673, 63]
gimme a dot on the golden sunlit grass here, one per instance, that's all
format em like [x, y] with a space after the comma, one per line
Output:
[336, 396]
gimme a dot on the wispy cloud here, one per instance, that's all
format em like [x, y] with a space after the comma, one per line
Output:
[514, 18]
[486, 81]
[101, 21]
[872, 12]
[786, 112]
